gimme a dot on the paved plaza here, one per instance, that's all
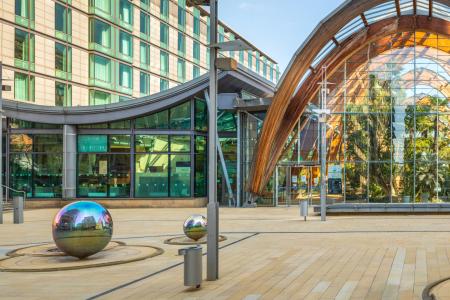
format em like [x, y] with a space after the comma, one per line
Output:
[269, 254]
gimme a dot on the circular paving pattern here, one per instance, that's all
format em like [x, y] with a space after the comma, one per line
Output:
[184, 240]
[45, 258]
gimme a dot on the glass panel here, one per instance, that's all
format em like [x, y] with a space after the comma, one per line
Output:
[181, 70]
[180, 143]
[164, 62]
[21, 45]
[92, 175]
[48, 143]
[145, 53]
[201, 115]
[163, 84]
[180, 175]
[60, 18]
[125, 43]
[21, 89]
[21, 143]
[164, 8]
[60, 57]
[101, 33]
[102, 68]
[119, 176]
[92, 143]
[47, 179]
[21, 8]
[125, 76]
[152, 143]
[156, 121]
[126, 124]
[164, 34]
[151, 179]
[119, 143]
[180, 116]
[201, 167]
[356, 182]
[99, 98]
[21, 172]
[144, 83]
[145, 23]
[126, 11]
[226, 121]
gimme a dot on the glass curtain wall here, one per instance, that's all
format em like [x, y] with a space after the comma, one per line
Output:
[35, 164]
[388, 134]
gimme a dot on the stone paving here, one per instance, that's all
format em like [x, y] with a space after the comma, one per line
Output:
[270, 253]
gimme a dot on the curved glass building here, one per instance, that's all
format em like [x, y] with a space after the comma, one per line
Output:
[386, 64]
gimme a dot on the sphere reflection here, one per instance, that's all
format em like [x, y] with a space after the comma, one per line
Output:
[195, 227]
[82, 228]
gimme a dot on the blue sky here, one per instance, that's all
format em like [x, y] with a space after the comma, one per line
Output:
[276, 27]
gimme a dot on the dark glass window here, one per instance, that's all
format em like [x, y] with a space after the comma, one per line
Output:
[180, 116]
[152, 143]
[155, 121]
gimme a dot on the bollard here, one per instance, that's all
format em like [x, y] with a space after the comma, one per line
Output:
[18, 209]
[192, 266]
[303, 208]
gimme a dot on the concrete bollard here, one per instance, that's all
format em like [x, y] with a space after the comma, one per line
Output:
[18, 209]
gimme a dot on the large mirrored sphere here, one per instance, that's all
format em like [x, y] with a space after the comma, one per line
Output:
[195, 227]
[82, 228]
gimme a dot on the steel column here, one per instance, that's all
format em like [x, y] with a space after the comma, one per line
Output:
[69, 161]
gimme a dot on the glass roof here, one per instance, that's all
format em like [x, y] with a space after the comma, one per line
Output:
[377, 13]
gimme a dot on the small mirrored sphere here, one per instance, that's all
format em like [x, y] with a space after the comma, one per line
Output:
[195, 227]
[82, 228]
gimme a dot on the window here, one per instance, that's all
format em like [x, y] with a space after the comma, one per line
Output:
[145, 55]
[181, 14]
[63, 94]
[250, 60]
[164, 35]
[144, 84]
[180, 116]
[196, 51]
[181, 70]
[180, 175]
[21, 45]
[23, 49]
[164, 60]
[152, 175]
[195, 71]
[145, 4]
[196, 26]
[208, 55]
[125, 44]
[99, 98]
[164, 9]
[163, 84]
[152, 143]
[63, 60]
[145, 24]
[125, 76]
[100, 35]
[158, 120]
[201, 166]
[221, 34]
[100, 71]
[181, 44]
[257, 62]
[241, 57]
[63, 21]
[24, 10]
[102, 5]
[23, 87]
[126, 13]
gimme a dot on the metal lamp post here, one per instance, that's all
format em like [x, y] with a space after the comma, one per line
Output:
[212, 258]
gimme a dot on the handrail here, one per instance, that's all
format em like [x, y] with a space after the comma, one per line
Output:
[14, 190]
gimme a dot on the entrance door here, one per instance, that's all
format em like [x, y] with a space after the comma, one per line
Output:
[294, 183]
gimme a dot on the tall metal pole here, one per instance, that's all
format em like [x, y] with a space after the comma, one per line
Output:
[1, 143]
[323, 147]
[212, 258]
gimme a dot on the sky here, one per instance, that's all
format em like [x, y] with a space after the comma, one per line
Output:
[276, 27]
